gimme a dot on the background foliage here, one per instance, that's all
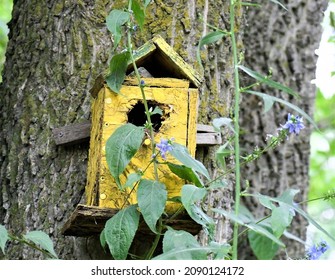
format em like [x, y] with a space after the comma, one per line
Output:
[322, 175]
[5, 15]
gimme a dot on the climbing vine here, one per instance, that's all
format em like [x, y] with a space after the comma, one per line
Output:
[264, 235]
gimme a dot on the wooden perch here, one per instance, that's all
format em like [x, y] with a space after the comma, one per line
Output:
[90, 220]
[72, 134]
[80, 133]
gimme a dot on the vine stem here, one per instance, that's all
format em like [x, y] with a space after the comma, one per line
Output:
[146, 107]
[236, 126]
[151, 133]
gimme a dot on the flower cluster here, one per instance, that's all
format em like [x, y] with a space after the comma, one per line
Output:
[316, 251]
[164, 147]
[294, 124]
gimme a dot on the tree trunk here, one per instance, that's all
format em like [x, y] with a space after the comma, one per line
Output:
[283, 41]
[58, 48]
[55, 52]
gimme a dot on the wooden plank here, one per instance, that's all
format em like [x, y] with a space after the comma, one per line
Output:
[72, 134]
[161, 82]
[80, 133]
[206, 135]
[142, 54]
[171, 59]
[206, 139]
[205, 128]
[87, 220]
[158, 57]
[90, 220]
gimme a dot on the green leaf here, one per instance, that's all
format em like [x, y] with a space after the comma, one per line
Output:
[120, 231]
[218, 184]
[3, 238]
[245, 214]
[151, 197]
[179, 239]
[209, 38]
[285, 200]
[189, 196]
[222, 152]
[267, 81]
[280, 4]
[118, 68]
[266, 202]
[281, 218]
[181, 153]
[263, 247]
[219, 122]
[294, 237]
[332, 19]
[220, 251]
[181, 245]
[288, 196]
[43, 240]
[268, 103]
[138, 13]
[331, 39]
[157, 111]
[132, 179]
[252, 226]
[288, 104]
[103, 240]
[146, 3]
[185, 173]
[121, 146]
[194, 253]
[114, 22]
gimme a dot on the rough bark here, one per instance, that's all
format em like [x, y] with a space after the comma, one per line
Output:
[56, 50]
[283, 41]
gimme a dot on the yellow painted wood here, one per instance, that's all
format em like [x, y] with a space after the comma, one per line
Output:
[173, 102]
[161, 82]
[109, 111]
[142, 54]
[175, 61]
[168, 63]
[94, 163]
[192, 120]
[174, 92]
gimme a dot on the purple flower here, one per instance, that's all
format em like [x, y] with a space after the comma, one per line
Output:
[294, 124]
[164, 146]
[316, 251]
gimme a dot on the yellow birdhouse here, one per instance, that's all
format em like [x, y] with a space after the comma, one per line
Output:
[172, 86]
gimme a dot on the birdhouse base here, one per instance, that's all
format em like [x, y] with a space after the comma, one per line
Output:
[90, 220]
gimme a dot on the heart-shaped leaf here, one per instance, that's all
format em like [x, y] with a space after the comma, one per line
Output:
[120, 230]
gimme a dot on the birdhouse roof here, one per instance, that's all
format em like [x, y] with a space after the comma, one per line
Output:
[161, 60]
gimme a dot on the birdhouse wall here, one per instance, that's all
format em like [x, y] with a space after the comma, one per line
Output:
[109, 111]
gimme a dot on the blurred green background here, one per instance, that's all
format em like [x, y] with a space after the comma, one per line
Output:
[322, 167]
[5, 16]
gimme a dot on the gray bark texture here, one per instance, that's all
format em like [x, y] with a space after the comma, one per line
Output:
[283, 41]
[58, 48]
[55, 52]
